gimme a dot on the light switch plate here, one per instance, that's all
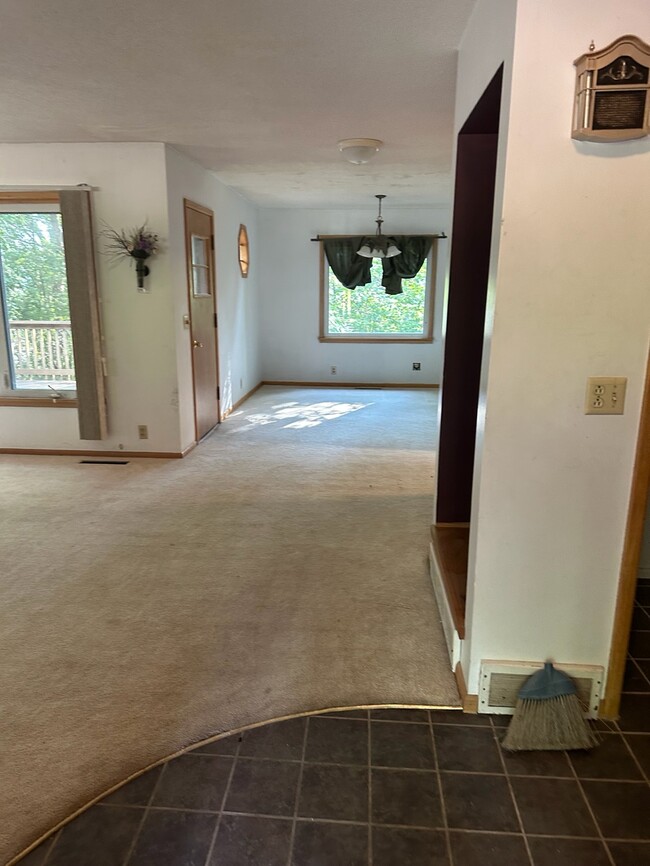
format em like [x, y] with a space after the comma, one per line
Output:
[605, 395]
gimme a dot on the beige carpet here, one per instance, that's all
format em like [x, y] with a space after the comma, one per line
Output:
[278, 569]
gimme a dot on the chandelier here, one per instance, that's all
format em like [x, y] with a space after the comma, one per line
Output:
[379, 246]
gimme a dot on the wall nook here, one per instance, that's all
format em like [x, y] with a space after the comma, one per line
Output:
[244, 251]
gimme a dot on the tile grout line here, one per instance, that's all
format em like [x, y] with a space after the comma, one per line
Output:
[298, 792]
[630, 733]
[443, 805]
[497, 743]
[390, 825]
[394, 721]
[390, 768]
[639, 669]
[213, 841]
[591, 812]
[609, 727]
[303, 819]
[644, 776]
[427, 828]
[145, 812]
[369, 753]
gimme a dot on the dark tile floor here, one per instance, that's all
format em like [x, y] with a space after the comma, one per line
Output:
[385, 788]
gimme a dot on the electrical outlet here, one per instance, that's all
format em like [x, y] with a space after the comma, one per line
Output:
[333, 371]
[416, 365]
[143, 431]
[605, 395]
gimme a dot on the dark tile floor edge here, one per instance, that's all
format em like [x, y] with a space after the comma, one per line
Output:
[410, 826]
[49, 834]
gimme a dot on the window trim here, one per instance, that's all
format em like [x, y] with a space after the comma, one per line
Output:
[42, 402]
[75, 206]
[26, 202]
[324, 337]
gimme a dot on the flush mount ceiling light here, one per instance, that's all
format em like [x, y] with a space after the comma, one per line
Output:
[359, 150]
[379, 246]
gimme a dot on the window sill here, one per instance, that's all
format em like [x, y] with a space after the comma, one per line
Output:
[359, 339]
[42, 402]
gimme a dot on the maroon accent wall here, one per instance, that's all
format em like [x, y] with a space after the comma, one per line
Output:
[467, 294]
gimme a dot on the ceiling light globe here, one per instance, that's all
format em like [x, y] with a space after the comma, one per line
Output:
[359, 155]
[358, 151]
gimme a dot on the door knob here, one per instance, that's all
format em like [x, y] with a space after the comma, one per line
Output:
[196, 344]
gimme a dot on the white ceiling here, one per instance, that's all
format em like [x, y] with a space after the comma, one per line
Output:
[259, 91]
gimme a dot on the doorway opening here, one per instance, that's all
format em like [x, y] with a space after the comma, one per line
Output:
[629, 668]
[464, 335]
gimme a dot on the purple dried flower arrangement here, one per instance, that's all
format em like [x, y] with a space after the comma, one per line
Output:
[138, 243]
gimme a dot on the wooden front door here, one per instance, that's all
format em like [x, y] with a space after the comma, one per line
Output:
[199, 246]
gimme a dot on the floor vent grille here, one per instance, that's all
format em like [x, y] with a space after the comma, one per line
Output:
[501, 682]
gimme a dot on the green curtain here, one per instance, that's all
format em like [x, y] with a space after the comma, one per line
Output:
[83, 294]
[406, 265]
[349, 269]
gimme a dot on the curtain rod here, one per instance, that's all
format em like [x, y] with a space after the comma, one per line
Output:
[333, 237]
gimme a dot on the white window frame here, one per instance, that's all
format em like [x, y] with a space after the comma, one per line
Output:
[26, 396]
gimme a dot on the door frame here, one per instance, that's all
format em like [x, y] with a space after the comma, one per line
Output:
[610, 705]
[188, 204]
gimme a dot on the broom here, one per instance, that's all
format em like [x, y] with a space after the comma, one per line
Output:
[548, 715]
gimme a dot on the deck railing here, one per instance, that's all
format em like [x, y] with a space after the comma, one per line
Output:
[42, 352]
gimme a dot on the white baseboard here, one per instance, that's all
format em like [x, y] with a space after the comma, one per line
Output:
[454, 643]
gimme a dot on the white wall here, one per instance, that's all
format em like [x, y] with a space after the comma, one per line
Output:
[487, 43]
[148, 355]
[290, 299]
[237, 298]
[129, 182]
[571, 299]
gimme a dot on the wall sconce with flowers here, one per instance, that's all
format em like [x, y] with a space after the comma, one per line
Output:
[137, 244]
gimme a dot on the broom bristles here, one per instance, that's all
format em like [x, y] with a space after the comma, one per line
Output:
[549, 724]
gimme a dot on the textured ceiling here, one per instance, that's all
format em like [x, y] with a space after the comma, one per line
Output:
[259, 91]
